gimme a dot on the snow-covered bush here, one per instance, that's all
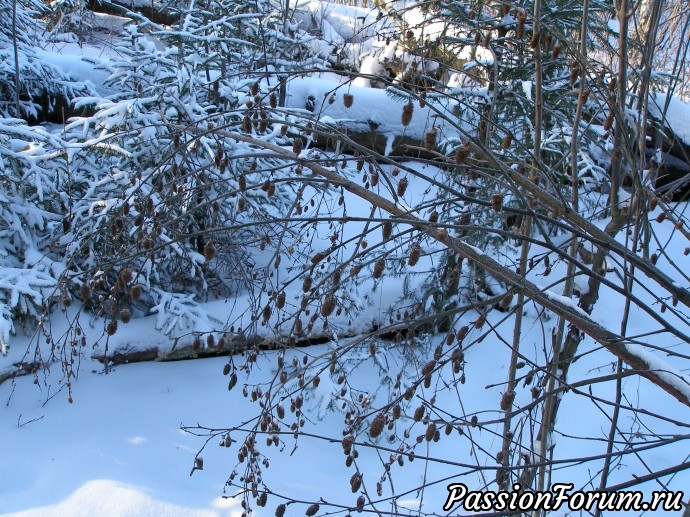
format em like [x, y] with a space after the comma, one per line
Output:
[38, 82]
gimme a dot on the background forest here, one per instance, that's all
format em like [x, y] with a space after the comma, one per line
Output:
[423, 242]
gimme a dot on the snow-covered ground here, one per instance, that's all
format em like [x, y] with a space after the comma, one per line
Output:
[119, 450]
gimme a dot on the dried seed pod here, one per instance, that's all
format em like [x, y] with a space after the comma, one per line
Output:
[297, 145]
[135, 292]
[111, 328]
[506, 301]
[348, 99]
[462, 153]
[497, 202]
[584, 96]
[430, 432]
[374, 178]
[331, 99]
[407, 112]
[361, 500]
[486, 40]
[354, 270]
[462, 332]
[328, 305]
[415, 253]
[507, 400]
[430, 139]
[428, 367]
[652, 203]
[319, 257]
[402, 186]
[377, 426]
[660, 218]
[556, 51]
[387, 230]
[479, 322]
[273, 101]
[280, 300]
[418, 414]
[379, 266]
[355, 482]
[608, 123]
[312, 510]
[85, 292]
[247, 125]
[535, 40]
[283, 130]
[653, 258]
[520, 30]
[125, 315]
[209, 251]
[505, 144]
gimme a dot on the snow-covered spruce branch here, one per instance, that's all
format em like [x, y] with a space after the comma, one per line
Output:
[564, 307]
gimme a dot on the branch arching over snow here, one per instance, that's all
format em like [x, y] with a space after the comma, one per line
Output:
[648, 367]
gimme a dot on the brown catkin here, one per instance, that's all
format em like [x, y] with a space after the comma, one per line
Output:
[556, 51]
[535, 40]
[135, 292]
[418, 414]
[85, 292]
[376, 427]
[247, 125]
[402, 186]
[297, 145]
[379, 266]
[407, 111]
[462, 332]
[507, 400]
[608, 123]
[111, 327]
[430, 432]
[242, 183]
[430, 139]
[462, 153]
[306, 283]
[312, 510]
[505, 144]
[348, 100]
[126, 275]
[209, 251]
[520, 31]
[355, 482]
[422, 100]
[328, 305]
[415, 253]
[125, 315]
[280, 300]
[387, 230]
[497, 202]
